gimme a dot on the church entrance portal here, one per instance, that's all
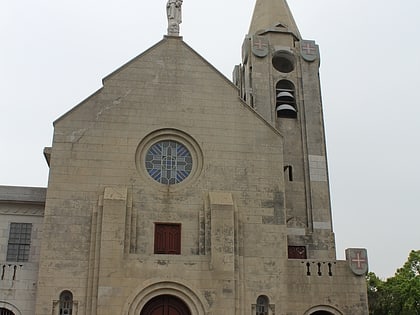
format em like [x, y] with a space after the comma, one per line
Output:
[165, 305]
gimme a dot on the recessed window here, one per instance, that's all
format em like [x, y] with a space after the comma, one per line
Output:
[168, 162]
[170, 159]
[285, 99]
[297, 252]
[283, 61]
[168, 238]
[288, 172]
[66, 303]
[262, 305]
[19, 242]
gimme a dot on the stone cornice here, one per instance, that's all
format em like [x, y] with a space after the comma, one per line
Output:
[26, 212]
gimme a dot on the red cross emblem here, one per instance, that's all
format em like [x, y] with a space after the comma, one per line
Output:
[358, 261]
[308, 50]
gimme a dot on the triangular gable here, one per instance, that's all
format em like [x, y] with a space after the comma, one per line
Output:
[152, 49]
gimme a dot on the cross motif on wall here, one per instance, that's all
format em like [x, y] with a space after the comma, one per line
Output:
[359, 260]
[259, 44]
[309, 48]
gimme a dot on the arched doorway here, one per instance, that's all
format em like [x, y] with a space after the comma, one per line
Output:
[165, 305]
[4, 311]
[323, 310]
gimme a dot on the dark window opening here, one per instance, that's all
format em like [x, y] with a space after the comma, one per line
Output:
[319, 269]
[19, 242]
[330, 269]
[168, 238]
[262, 305]
[250, 90]
[283, 61]
[288, 169]
[66, 303]
[297, 252]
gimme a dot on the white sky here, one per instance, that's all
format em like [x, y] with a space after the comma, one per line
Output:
[55, 53]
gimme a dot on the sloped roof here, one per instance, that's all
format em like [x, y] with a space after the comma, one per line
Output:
[272, 13]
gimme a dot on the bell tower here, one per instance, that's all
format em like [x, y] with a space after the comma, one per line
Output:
[279, 78]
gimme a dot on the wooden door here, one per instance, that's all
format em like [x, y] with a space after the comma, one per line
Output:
[165, 305]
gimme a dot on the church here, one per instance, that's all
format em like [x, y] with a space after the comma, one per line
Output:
[176, 191]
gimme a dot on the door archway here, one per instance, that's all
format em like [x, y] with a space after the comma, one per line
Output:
[4, 311]
[165, 305]
[323, 310]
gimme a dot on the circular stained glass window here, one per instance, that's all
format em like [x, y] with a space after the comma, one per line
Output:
[168, 162]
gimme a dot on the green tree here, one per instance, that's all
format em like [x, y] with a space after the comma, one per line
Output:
[398, 295]
[376, 296]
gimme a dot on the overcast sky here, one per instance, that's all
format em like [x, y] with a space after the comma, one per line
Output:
[55, 53]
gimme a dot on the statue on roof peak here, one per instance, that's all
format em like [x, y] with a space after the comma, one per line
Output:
[174, 12]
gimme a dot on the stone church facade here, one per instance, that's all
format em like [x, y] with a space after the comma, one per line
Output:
[174, 191]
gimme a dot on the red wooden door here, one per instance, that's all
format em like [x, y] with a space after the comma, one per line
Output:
[165, 305]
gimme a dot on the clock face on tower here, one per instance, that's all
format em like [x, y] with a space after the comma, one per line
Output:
[168, 162]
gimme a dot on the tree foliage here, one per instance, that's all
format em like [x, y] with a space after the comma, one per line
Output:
[398, 295]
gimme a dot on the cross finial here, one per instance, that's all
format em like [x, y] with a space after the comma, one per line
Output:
[174, 12]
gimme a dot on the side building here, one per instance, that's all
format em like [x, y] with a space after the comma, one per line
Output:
[21, 220]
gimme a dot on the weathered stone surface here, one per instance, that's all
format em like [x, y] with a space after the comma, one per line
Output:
[258, 184]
